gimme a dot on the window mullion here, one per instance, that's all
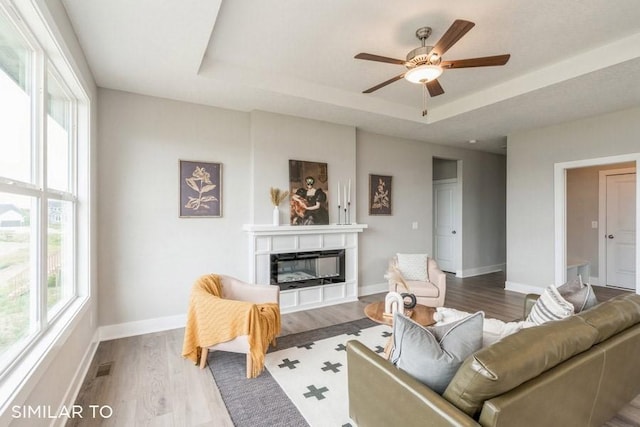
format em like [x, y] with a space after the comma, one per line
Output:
[40, 136]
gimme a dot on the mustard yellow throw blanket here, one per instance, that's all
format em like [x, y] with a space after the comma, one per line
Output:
[212, 320]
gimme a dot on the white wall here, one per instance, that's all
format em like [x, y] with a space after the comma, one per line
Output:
[276, 139]
[530, 181]
[149, 257]
[410, 163]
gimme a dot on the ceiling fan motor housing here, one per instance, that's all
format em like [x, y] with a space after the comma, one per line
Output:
[420, 56]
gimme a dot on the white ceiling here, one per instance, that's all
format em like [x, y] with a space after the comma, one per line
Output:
[569, 59]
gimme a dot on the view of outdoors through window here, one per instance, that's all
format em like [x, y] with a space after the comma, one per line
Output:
[17, 256]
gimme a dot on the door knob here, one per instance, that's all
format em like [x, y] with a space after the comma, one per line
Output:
[453, 232]
[610, 236]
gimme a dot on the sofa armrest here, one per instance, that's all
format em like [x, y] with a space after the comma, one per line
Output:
[529, 302]
[382, 395]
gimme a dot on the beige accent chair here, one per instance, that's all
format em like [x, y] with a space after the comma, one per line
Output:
[430, 293]
[234, 289]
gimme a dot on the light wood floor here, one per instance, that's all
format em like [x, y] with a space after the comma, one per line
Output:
[150, 384]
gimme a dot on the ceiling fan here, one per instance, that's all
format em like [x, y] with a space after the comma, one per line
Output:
[425, 64]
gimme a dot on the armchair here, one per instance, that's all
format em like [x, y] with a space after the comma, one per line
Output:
[430, 293]
[226, 314]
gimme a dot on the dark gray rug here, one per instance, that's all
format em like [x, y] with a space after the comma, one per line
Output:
[260, 401]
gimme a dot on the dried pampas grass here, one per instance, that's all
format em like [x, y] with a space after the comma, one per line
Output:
[277, 196]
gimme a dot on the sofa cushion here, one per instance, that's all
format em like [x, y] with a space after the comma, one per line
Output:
[413, 266]
[550, 306]
[579, 294]
[515, 359]
[432, 355]
[613, 316]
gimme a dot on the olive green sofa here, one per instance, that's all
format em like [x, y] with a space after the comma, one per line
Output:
[574, 372]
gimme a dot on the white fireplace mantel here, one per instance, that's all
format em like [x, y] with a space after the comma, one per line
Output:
[269, 239]
[268, 229]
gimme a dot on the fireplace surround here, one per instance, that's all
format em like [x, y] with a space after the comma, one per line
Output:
[266, 241]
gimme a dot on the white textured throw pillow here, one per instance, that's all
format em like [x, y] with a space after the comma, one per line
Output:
[493, 330]
[550, 306]
[413, 266]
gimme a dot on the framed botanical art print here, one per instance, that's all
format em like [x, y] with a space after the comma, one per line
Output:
[308, 189]
[200, 189]
[379, 194]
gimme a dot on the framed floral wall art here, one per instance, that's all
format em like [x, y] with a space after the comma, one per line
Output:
[379, 194]
[200, 189]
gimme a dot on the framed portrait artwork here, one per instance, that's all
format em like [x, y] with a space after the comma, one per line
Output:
[200, 189]
[309, 193]
[379, 194]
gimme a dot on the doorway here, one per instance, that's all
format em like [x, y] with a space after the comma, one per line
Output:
[629, 201]
[447, 207]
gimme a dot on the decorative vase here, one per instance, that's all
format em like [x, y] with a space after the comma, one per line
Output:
[276, 215]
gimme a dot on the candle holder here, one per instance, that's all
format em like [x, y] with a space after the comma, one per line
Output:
[347, 219]
[339, 223]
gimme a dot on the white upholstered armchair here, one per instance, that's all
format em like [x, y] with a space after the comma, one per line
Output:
[221, 305]
[429, 290]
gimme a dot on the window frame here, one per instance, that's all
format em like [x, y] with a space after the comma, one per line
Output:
[47, 58]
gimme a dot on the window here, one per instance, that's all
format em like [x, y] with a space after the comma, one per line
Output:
[38, 191]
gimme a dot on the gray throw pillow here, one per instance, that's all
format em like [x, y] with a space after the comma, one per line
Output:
[571, 286]
[433, 355]
[579, 294]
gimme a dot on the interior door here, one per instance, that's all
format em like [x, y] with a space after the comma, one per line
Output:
[621, 230]
[446, 235]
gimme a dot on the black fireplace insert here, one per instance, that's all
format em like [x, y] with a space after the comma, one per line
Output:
[304, 269]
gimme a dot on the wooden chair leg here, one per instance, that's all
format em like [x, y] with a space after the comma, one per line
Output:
[249, 365]
[203, 357]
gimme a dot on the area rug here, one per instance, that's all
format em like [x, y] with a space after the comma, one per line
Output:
[304, 382]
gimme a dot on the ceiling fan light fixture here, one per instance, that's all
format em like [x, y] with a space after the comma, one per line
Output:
[423, 73]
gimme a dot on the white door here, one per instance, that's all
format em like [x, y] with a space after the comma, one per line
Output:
[621, 230]
[445, 214]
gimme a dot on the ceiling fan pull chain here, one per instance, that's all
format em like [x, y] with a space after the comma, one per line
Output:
[424, 99]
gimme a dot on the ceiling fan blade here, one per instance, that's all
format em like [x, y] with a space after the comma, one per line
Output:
[455, 32]
[383, 84]
[487, 61]
[378, 58]
[434, 88]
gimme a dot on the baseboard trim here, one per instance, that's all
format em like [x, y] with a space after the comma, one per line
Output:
[375, 288]
[141, 327]
[522, 288]
[478, 271]
[78, 379]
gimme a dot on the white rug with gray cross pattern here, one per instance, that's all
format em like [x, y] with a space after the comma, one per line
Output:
[314, 375]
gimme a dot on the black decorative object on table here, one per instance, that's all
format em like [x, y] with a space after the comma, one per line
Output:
[411, 300]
